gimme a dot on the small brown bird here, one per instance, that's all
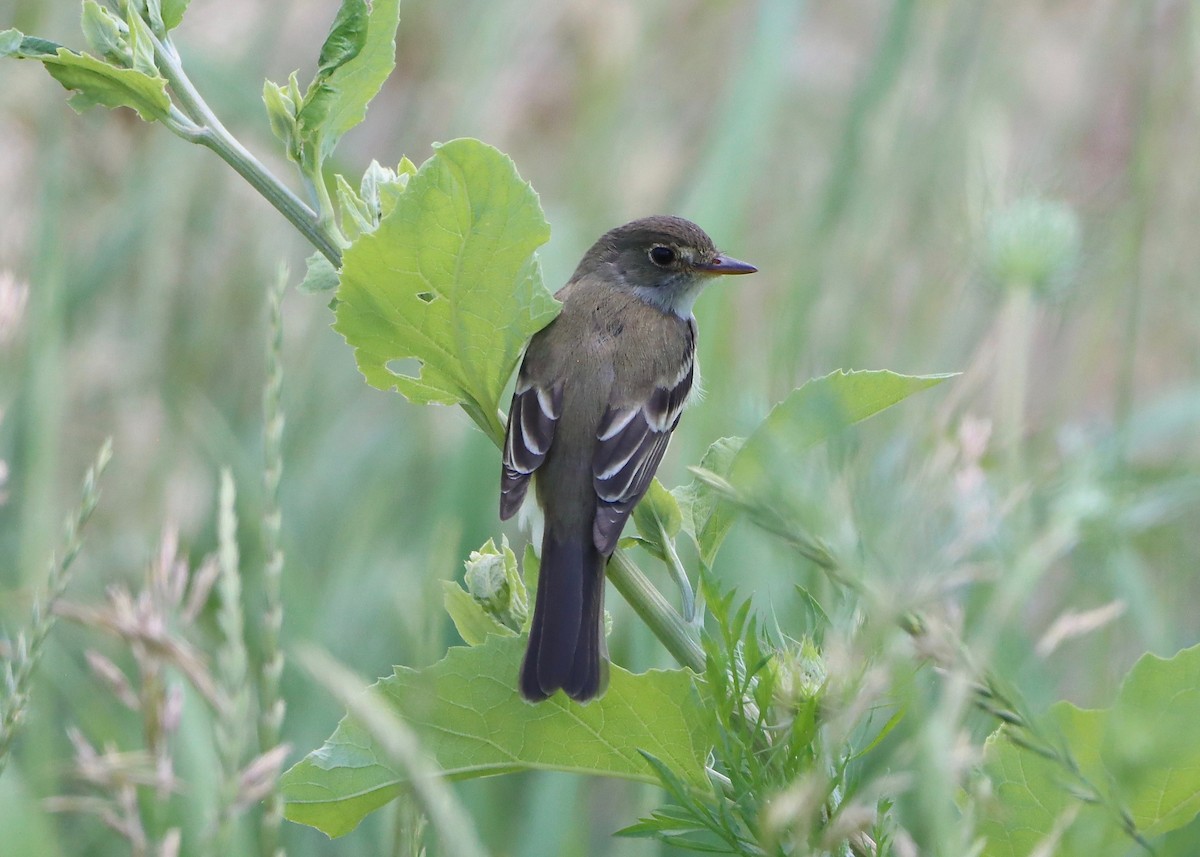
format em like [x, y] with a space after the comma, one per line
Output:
[599, 392]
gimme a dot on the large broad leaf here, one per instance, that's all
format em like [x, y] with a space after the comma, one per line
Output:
[1152, 741]
[1142, 755]
[759, 478]
[1033, 798]
[449, 278]
[94, 81]
[357, 57]
[470, 719]
[820, 409]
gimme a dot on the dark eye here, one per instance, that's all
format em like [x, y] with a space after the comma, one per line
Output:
[662, 256]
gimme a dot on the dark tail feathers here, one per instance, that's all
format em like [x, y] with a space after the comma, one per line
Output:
[566, 638]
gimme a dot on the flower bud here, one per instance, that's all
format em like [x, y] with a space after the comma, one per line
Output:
[281, 113]
[800, 674]
[493, 581]
[1033, 244]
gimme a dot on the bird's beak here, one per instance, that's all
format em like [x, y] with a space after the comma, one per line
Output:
[723, 264]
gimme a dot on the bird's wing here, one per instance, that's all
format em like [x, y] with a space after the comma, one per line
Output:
[531, 423]
[631, 441]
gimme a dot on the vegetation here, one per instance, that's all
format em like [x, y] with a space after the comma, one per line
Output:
[885, 629]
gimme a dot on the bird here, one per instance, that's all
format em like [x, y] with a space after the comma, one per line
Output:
[599, 392]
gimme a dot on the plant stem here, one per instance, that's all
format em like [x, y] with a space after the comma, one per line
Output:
[273, 706]
[326, 221]
[231, 716]
[18, 673]
[1016, 338]
[213, 135]
[655, 611]
[400, 748]
[675, 565]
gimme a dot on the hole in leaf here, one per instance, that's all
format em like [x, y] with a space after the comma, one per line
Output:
[410, 367]
[428, 297]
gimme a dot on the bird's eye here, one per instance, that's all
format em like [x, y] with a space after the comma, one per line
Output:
[662, 256]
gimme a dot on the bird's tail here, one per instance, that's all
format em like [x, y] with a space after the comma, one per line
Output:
[566, 638]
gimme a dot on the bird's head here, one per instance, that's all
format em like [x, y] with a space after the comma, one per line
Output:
[663, 260]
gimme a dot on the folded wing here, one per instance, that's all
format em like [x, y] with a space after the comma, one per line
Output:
[531, 422]
[631, 441]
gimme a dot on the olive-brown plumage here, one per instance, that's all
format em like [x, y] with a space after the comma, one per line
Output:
[599, 392]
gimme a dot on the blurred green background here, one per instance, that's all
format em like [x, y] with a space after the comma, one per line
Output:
[860, 153]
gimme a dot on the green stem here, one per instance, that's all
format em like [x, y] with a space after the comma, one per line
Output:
[675, 565]
[655, 611]
[272, 704]
[211, 134]
[325, 212]
[1016, 340]
[17, 674]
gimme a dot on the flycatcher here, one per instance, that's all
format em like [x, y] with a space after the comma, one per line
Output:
[599, 392]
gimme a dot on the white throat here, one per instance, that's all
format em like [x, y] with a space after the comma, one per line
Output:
[677, 297]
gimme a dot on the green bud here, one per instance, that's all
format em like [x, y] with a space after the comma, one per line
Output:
[387, 185]
[141, 43]
[1033, 244]
[485, 578]
[357, 217]
[800, 675]
[106, 34]
[493, 580]
[375, 177]
[281, 113]
[294, 92]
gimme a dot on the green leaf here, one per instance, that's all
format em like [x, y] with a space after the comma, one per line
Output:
[472, 622]
[281, 114]
[1143, 755]
[381, 187]
[103, 33]
[449, 278]
[705, 516]
[141, 46]
[172, 12]
[1152, 741]
[659, 519]
[764, 473]
[1033, 801]
[10, 42]
[531, 566]
[816, 619]
[389, 191]
[152, 9]
[356, 217]
[470, 719]
[95, 81]
[657, 516]
[346, 37]
[818, 410]
[353, 66]
[321, 276]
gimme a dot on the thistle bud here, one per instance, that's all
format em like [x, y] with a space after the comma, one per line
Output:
[1033, 244]
[800, 675]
